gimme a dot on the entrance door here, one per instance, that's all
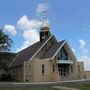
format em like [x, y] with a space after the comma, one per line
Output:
[62, 71]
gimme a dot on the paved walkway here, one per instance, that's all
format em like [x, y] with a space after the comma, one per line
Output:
[65, 88]
[41, 84]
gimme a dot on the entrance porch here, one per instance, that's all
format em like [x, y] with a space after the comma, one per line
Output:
[64, 69]
[65, 72]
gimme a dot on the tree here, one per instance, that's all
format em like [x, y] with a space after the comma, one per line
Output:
[5, 41]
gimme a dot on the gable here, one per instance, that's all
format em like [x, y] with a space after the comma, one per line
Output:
[65, 49]
[44, 48]
[52, 50]
[69, 51]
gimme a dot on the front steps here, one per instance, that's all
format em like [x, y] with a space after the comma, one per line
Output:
[67, 78]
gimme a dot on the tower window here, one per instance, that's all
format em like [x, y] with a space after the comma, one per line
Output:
[46, 33]
[41, 33]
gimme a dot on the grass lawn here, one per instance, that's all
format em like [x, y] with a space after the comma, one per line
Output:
[79, 85]
[36, 88]
[82, 86]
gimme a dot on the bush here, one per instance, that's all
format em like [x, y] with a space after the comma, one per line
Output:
[4, 76]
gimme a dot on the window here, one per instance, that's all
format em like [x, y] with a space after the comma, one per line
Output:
[78, 68]
[71, 68]
[58, 58]
[46, 33]
[53, 68]
[26, 69]
[43, 67]
[62, 55]
[29, 69]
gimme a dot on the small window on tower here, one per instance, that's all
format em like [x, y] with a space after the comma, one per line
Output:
[41, 33]
[46, 33]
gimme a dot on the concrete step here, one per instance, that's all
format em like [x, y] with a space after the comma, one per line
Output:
[67, 78]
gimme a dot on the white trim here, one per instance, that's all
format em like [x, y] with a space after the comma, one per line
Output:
[40, 48]
[58, 50]
[71, 50]
[43, 59]
[65, 62]
[13, 60]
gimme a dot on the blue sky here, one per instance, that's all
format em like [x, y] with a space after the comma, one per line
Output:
[69, 19]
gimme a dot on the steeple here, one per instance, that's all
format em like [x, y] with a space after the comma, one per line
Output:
[44, 29]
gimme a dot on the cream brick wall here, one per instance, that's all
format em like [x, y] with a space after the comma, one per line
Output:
[49, 74]
[79, 69]
[87, 75]
[37, 75]
[28, 74]
[34, 73]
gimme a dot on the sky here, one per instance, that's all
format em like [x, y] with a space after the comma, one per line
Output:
[68, 19]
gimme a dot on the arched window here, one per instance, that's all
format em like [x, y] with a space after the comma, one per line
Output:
[62, 55]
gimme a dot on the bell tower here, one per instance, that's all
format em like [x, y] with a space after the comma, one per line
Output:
[44, 29]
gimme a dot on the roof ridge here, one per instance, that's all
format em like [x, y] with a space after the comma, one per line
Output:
[41, 47]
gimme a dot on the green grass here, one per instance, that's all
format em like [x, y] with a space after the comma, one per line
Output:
[82, 86]
[33, 88]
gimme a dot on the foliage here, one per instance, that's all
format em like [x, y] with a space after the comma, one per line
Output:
[4, 75]
[5, 41]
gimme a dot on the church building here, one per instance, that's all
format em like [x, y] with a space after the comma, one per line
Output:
[46, 61]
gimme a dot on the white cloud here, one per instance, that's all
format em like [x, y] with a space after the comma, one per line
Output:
[10, 28]
[84, 54]
[82, 43]
[30, 31]
[86, 61]
[42, 7]
[82, 46]
[25, 24]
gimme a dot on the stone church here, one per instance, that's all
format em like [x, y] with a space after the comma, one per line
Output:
[46, 60]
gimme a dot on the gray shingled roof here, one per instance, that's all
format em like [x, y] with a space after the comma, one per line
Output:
[27, 53]
[52, 50]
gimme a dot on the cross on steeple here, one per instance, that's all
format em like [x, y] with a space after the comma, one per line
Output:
[44, 29]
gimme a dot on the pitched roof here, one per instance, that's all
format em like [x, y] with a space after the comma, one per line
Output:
[27, 53]
[52, 50]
